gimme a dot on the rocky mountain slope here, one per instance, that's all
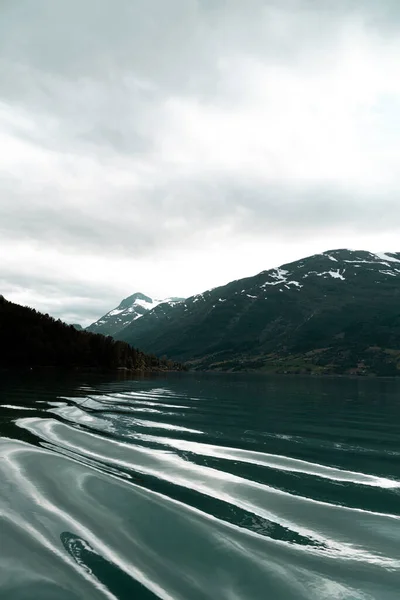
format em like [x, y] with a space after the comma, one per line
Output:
[336, 312]
[129, 310]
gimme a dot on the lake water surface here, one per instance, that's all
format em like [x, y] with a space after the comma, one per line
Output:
[195, 487]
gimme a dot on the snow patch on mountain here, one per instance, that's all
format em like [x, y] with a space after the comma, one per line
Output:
[115, 312]
[129, 310]
[279, 275]
[386, 258]
[334, 274]
[391, 273]
[148, 304]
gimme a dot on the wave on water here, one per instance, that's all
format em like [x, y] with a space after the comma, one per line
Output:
[185, 491]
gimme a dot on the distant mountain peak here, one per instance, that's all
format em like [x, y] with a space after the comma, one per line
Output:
[130, 300]
[130, 309]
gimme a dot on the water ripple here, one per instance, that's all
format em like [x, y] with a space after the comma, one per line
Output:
[211, 495]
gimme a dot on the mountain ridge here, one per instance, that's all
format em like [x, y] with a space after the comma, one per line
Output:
[332, 304]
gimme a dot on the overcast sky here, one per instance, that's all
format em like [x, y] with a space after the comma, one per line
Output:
[169, 146]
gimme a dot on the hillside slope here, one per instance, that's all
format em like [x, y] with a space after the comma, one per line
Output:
[29, 338]
[335, 312]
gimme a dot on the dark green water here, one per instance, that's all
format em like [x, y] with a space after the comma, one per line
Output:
[199, 487]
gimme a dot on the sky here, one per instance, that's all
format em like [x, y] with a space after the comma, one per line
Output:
[171, 146]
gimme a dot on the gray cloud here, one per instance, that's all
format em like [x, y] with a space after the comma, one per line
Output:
[62, 299]
[135, 130]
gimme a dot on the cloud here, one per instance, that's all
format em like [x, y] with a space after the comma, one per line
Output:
[140, 134]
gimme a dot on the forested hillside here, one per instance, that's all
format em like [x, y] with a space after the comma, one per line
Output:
[29, 338]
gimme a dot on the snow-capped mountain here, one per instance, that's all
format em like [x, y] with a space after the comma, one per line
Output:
[330, 304]
[126, 312]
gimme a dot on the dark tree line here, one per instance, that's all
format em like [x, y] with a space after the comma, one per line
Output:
[29, 338]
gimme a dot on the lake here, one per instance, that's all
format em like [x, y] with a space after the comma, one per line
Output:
[195, 487]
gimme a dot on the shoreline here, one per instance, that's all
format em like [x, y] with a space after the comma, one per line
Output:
[140, 372]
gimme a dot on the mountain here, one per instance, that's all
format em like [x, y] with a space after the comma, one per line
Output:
[77, 326]
[129, 310]
[32, 339]
[335, 312]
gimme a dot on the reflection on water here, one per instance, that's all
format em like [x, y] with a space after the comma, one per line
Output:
[199, 487]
